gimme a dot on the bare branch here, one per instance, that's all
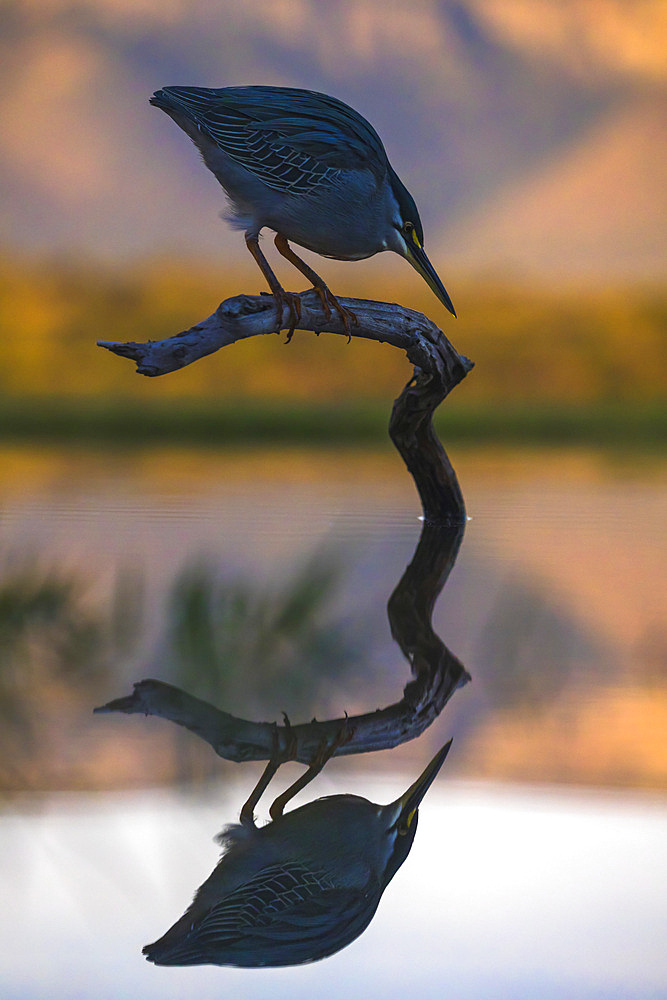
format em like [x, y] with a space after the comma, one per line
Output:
[247, 316]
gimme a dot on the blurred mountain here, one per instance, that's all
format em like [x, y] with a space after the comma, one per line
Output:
[529, 131]
[597, 210]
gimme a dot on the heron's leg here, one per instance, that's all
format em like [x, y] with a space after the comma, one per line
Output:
[248, 810]
[279, 756]
[324, 753]
[283, 298]
[327, 298]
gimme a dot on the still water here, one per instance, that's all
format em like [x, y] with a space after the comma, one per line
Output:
[260, 582]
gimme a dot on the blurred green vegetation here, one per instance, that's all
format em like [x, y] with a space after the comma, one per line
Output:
[560, 365]
[281, 645]
[210, 423]
[59, 645]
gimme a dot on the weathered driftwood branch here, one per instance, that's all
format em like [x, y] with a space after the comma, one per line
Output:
[253, 315]
[438, 369]
[437, 673]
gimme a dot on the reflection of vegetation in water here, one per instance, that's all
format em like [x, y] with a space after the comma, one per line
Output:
[566, 704]
[57, 647]
[257, 649]
[531, 649]
[230, 640]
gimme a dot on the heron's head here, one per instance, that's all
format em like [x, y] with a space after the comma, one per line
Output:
[407, 239]
[400, 817]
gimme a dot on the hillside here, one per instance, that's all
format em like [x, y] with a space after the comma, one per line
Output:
[597, 210]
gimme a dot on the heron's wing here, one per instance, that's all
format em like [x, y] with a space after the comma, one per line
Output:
[285, 915]
[293, 140]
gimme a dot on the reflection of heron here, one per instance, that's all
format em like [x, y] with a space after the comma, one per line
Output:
[300, 888]
[310, 168]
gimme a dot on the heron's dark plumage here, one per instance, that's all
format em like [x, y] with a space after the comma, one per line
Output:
[292, 139]
[285, 915]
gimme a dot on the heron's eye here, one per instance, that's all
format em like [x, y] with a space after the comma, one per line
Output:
[407, 227]
[402, 829]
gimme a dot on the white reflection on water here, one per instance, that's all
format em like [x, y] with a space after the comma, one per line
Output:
[508, 893]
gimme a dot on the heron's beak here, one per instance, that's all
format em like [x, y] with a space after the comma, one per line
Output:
[417, 257]
[409, 802]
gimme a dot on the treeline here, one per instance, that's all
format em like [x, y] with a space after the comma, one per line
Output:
[547, 350]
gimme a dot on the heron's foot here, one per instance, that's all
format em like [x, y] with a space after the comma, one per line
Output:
[327, 750]
[324, 752]
[293, 302]
[329, 301]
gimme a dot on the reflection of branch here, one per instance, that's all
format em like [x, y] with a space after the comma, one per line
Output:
[437, 674]
[410, 609]
[438, 369]
[231, 738]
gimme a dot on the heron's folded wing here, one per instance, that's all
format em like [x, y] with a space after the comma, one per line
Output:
[285, 915]
[293, 140]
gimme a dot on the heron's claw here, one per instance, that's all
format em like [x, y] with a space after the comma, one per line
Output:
[326, 750]
[293, 302]
[329, 300]
[291, 742]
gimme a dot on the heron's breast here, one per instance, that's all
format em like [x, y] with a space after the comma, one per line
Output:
[341, 219]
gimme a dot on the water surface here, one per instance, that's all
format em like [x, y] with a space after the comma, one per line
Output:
[534, 868]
